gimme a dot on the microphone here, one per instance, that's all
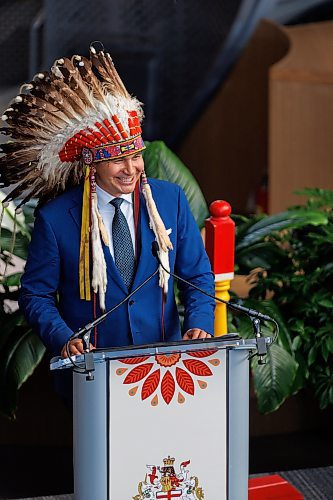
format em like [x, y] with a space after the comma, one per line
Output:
[84, 332]
[253, 313]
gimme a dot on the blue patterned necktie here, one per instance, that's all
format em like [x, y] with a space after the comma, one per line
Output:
[122, 244]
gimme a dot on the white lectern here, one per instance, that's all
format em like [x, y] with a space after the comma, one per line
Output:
[163, 422]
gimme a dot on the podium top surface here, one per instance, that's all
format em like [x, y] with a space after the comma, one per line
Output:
[229, 341]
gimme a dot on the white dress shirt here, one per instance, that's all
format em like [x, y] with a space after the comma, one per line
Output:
[107, 212]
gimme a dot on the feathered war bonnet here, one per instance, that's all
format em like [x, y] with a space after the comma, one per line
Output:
[62, 123]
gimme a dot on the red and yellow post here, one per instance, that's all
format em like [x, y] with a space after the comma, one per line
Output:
[220, 247]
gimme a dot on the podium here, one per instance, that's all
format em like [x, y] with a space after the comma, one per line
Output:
[163, 421]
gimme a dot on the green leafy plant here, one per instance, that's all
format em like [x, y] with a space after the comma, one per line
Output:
[294, 249]
[20, 349]
[162, 163]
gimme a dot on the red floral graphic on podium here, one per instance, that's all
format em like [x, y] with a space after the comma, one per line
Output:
[168, 376]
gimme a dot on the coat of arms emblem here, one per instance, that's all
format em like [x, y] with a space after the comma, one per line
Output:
[162, 482]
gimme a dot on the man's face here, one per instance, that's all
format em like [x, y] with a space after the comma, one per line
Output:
[119, 176]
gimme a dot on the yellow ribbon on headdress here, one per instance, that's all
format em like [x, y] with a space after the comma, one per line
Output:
[84, 274]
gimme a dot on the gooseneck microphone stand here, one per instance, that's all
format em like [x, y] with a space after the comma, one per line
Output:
[254, 315]
[85, 332]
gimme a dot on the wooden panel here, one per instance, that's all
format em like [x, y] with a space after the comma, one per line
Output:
[301, 116]
[227, 148]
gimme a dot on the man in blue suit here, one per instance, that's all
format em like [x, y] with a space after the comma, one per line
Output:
[92, 242]
[52, 268]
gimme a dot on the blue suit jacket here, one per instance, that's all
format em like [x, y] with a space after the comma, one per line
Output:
[50, 286]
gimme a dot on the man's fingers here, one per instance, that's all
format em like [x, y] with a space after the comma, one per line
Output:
[196, 333]
[74, 350]
[64, 352]
[202, 334]
[75, 347]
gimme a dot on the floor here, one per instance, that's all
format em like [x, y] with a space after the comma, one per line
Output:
[312, 484]
[36, 451]
[46, 471]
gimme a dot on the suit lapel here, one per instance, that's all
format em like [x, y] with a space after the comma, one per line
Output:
[146, 262]
[112, 270]
[76, 209]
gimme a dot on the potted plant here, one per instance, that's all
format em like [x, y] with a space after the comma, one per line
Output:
[295, 253]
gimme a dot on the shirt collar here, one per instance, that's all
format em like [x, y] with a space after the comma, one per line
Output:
[104, 198]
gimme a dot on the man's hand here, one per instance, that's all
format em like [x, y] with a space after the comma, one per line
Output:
[75, 347]
[196, 333]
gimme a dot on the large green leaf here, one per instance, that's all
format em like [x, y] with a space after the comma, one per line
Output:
[244, 326]
[18, 358]
[161, 163]
[11, 280]
[29, 212]
[273, 223]
[243, 224]
[21, 243]
[300, 378]
[271, 309]
[9, 322]
[263, 254]
[274, 381]
[12, 219]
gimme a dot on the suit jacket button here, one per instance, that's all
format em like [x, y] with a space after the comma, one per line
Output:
[131, 302]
